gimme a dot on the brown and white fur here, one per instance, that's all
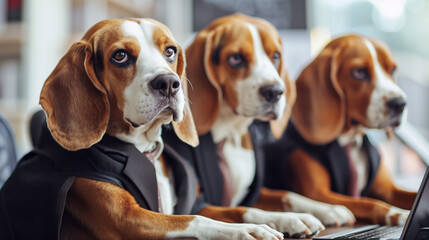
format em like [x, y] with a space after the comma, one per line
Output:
[237, 75]
[125, 79]
[346, 89]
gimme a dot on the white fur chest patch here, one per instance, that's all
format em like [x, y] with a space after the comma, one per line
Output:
[167, 196]
[240, 161]
[242, 165]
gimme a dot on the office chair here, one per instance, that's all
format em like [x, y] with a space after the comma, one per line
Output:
[36, 122]
[8, 157]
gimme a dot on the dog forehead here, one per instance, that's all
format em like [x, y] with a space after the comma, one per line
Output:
[146, 31]
[382, 50]
[352, 46]
[251, 38]
[236, 29]
[142, 30]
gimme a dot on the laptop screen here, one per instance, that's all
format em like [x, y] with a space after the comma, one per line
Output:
[417, 225]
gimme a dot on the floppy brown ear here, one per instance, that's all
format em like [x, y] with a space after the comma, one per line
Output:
[185, 129]
[74, 100]
[319, 111]
[204, 91]
[278, 126]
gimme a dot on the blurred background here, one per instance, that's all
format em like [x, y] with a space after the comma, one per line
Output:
[35, 34]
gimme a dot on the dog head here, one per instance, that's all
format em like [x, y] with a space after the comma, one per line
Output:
[348, 84]
[122, 76]
[238, 59]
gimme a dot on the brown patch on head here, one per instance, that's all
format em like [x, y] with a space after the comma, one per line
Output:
[163, 39]
[330, 99]
[116, 79]
[74, 97]
[230, 38]
[213, 78]
[385, 56]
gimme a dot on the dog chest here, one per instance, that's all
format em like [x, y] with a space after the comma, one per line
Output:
[242, 165]
[167, 197]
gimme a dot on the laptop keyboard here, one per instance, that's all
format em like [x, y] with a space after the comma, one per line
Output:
[368, 232]
[385, 232]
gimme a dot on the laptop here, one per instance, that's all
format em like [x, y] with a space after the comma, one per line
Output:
[416, 226]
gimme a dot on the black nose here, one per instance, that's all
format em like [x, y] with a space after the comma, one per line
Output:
[271, 92]
[167, 85]
[396, 106]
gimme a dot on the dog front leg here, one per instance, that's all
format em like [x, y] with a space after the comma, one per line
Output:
[313, 180]
[99, 210]
[292, 224]
[278, 200]
[383, 188]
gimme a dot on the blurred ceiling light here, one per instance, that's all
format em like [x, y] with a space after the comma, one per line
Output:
[319, 38]
[388, 15]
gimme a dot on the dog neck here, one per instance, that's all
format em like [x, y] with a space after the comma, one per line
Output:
[146, 138]
[352, 136]
[229, 125]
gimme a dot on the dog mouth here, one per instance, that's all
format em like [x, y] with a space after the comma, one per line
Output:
[135, 125]
[166, 114]
[169, 111]
[268, 116]
[265, 115]
[394, 121]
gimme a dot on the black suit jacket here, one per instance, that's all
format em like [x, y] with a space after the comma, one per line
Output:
[32, 200]
[331, 155]
[205, 161]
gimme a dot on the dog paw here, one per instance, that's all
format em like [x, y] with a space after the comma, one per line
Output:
[330, 215]
[205, 228]
[292, 224]
[397, 216]
[334, 215]
[252, 232]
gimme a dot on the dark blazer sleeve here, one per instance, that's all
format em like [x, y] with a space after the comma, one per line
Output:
[33, 199]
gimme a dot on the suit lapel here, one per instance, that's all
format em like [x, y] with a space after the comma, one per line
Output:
[142, 173]
[374, 163]
[338, 166]
[208, 167]
[185, 181]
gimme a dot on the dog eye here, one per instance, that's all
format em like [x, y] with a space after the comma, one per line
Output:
[276, 59]
[170, 53]
[236, 61]
[120, 57]
[360, 74]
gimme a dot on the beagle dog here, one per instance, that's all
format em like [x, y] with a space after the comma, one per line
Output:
[325, 153]
[237, 75]
[109, 176]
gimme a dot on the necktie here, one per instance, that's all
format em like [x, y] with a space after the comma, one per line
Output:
[353, 175]
[151, 155]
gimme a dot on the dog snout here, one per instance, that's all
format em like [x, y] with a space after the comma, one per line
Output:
[271, 93]
[396, 106]
[168, 85]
